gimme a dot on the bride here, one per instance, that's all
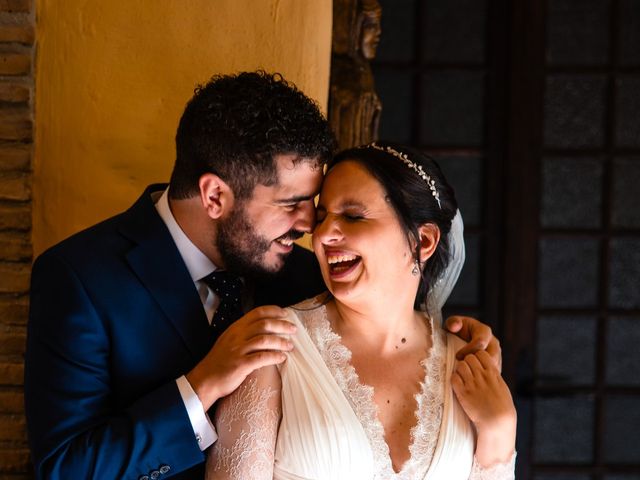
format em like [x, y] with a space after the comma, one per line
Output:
[372, 389]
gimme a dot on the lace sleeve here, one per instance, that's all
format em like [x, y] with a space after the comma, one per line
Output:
[247, 424]
[499, 471]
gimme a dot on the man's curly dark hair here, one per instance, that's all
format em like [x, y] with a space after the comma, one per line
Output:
[235, 125]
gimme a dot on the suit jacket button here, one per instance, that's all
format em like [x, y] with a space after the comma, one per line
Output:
[164, 469]
[143, 477]
[154, 474]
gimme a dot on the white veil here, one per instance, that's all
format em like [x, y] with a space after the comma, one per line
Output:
[441, 288]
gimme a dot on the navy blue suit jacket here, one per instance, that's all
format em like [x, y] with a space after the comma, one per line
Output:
[114, 320]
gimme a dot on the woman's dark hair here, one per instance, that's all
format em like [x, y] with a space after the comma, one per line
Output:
[411, 198]
[235, 125]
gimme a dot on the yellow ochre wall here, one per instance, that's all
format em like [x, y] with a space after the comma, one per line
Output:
[113, 77]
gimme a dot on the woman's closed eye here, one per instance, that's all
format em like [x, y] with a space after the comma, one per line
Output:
[348, 216]
[353, 217]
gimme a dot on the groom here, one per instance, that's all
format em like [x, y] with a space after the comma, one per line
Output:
[120, 369]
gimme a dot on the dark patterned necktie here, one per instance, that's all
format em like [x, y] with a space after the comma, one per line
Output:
[228, 288]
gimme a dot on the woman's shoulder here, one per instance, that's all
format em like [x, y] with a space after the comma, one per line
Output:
[448, 342]
[309, 309]
[311, 303]
[453, 340]
[311, 315]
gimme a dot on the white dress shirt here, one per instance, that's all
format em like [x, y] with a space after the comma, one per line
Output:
[199, 266]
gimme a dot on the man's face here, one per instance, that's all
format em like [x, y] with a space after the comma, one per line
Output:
[258, 234]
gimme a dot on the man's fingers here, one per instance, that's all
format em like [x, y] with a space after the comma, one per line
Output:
[454, 324]
[471, 348]
[256, 322]
[276, 326]
[479, 336]
[257, 315]
[273, 326]
[268, 311]
[265, 358]
[267, 342]
[468, 328]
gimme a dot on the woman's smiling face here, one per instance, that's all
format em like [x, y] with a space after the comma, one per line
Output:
[361, 247]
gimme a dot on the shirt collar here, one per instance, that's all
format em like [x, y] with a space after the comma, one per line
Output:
[198, 264]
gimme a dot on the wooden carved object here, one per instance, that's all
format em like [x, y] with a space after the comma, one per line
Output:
[354, 106]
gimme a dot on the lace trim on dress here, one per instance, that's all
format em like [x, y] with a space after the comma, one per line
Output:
[429, 400]
[499, 471]
[252, 449]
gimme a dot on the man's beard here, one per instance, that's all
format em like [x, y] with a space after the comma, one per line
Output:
[244, 250]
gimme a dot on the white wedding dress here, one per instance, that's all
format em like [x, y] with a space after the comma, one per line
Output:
[319, 422]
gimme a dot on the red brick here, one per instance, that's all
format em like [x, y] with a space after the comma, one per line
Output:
[15, 217]
[15, 246]
[14, 92]
[14, 310]
[11, 374]
[11, 402]
[12, 428]
[15, 124]
[14, 278]
[15, 5]
[15, 63]
[12, 343]
[14, 460]
[17, 130]
[15, 113]
[15, 186]
[15, 157]
[19, 33]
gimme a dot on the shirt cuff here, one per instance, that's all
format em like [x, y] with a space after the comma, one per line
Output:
[203, 429]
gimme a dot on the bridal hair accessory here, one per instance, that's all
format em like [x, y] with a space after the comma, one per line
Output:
[416, 268]
[418, 168]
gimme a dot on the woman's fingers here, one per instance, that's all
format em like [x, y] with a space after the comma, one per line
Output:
[464, 371]
[474, 364]
[485, 360]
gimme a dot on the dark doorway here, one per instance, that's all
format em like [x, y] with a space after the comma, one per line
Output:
[532, 109]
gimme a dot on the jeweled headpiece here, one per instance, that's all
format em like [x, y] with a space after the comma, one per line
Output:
[414, 166]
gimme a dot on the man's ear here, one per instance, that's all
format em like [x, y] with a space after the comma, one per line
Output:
[216, 195]
[429, 237]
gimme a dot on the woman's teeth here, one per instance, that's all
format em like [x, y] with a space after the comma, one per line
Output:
[341, 263]
[340, 258]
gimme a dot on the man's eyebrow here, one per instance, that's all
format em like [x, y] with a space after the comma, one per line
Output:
[294, 199]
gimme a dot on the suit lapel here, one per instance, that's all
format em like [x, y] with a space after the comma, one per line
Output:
[157, 263]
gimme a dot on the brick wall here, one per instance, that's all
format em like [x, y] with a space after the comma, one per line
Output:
[16, 133]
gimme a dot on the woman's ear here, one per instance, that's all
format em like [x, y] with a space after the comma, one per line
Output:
[215, 195]
[429, 237]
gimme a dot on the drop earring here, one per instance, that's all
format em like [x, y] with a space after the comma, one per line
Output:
[416, 269]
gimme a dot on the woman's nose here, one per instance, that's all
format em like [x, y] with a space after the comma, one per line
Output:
[328, 231]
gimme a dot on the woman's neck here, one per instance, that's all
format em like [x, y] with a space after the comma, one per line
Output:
[377, 327]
